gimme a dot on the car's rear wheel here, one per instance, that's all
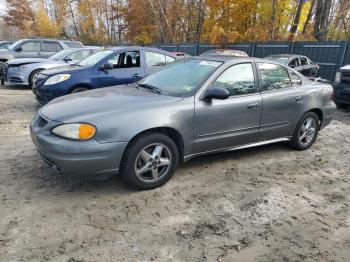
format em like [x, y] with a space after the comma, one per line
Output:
[33, 76]
[150, 161]
[78, 89]
[306, 131]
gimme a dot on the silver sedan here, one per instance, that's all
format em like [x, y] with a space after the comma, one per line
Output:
[192, 107]
[23, 71]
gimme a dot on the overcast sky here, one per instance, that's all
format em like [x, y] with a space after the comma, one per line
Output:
[2, 6]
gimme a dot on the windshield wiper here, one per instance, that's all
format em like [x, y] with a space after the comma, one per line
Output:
[152, 88]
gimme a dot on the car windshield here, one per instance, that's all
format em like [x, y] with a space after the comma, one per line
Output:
[95, 58]
[60, 55]
[14, 45]
[278, 59]
[181, 78]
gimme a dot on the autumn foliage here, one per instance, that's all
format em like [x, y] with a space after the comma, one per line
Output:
[175, 21]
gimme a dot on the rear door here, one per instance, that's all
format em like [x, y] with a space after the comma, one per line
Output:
[234, 121]
[127, 69]
[283, 102]
[50, 48]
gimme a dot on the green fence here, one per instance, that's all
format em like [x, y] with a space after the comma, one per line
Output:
[330, 55]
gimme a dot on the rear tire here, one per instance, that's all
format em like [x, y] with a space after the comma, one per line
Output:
[149, 161]
[306, 131]
[78, 90]
[33, 75]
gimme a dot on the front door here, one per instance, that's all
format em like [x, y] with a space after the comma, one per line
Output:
[29, 49]
[127, 69]
[231, 122]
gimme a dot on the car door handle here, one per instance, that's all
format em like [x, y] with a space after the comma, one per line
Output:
[253, 105]
[135, 75]
[299, 99]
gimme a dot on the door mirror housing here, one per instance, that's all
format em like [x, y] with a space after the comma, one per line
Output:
[107, 66]
[19, 49]
[216, 93]
[67, 59]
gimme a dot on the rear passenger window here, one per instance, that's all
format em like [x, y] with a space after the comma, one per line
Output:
[274, 77]
[296, 80]
[31, 47]
[51, 47]
[154, 59]
[169, 59]
[303, 61]
[238, 80]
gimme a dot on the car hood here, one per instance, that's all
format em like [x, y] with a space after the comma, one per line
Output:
[117, 100]
[24, 61]
[63, 70]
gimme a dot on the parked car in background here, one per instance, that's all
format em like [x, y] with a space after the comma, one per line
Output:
[181, 54]
[42, 48]
[300, 63]
[225, 52]
[193, 107]
[5, 44]
[23, 71]
[30, 48]
[341, 87]
[115, 66]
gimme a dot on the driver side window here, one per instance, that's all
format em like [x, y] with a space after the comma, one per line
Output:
[125, 60]
[31, 47]
[238, 79]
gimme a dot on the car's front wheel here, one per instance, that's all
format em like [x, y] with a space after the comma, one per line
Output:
[33, 76]
[150, 161]
[78, 90]
[306, 131]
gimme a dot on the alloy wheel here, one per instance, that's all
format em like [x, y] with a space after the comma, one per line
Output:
[307, 131]
[153, 163]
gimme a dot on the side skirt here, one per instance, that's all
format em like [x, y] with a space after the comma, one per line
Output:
[227, 149]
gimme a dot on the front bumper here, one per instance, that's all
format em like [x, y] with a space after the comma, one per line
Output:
[16, 77]
[75, 157]
[341, 93]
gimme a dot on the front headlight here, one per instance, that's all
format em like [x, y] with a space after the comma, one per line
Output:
[337, 77]
[76, 131]
[56, 79]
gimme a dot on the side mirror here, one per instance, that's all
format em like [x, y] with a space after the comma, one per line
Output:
[216, 93]
[292, 66]
[107, 66]
[67, 59]
[19, 49]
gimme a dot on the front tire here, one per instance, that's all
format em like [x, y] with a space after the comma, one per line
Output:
[306, 131]
[78, 90]
[150, 161]
[33, 76]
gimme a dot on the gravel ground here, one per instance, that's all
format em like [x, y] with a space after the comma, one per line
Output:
[264, 204]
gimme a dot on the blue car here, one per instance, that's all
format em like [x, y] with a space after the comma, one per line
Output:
[109, 67]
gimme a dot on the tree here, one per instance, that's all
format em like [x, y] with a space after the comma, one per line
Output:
[295, 24]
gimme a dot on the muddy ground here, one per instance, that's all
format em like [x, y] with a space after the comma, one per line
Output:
[264, 204]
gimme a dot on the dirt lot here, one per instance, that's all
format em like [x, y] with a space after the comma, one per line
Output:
[263, 204]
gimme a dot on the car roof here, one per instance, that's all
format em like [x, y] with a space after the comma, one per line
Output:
[285, 55]
[136, 48]
[228, 59]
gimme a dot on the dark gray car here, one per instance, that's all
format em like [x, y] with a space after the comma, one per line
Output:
[192, 107]
[300, 63]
